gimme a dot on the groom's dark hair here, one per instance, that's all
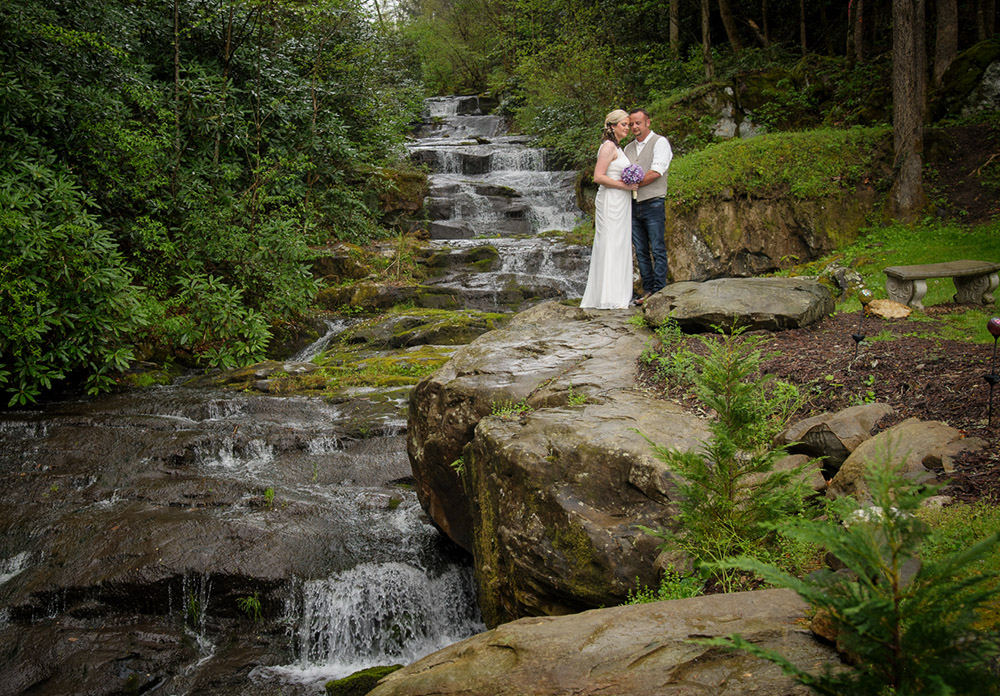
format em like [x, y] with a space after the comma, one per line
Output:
[640, 110]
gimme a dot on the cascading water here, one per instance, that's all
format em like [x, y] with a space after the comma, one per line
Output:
[166, 507]
[492, 189]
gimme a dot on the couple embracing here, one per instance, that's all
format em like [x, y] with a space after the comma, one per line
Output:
[628, 212]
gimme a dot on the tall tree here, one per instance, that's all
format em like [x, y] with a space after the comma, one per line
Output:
[946, 44]
[675, 29]
[906, 196]
[706, 40]
[802, 25]
[986, 15]
[857, 32]
[729, 22]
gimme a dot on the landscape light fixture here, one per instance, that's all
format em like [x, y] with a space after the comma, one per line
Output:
[865, 295]
[993, 326]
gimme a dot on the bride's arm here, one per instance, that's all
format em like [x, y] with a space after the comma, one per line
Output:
[605, 156]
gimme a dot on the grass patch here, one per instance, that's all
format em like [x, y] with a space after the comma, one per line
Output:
[958, 527]
[404, 368]
[928, 241]
[808, 164]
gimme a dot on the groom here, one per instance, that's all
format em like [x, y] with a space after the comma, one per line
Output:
[651, 152]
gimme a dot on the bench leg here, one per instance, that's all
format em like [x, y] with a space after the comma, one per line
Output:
[907, 292]
[976, 289]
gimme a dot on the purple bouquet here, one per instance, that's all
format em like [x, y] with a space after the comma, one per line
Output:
[632, 174]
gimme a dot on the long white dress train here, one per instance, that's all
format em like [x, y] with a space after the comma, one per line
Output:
[609, 284]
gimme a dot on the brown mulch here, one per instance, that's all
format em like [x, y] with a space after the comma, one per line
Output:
[925, 378]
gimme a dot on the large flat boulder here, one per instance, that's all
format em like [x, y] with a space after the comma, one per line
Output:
[641, 650]
[754, 303]
[526, 450]
[541, 357]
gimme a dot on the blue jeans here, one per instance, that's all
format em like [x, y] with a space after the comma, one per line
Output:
[648, 230]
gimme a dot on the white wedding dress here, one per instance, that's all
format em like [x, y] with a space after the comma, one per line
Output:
[609, 285]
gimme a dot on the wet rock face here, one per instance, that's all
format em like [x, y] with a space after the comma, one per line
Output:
[727, 238]
[547, 494]
[134, 527]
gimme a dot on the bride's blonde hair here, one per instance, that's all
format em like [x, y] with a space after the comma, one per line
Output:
[615, 117]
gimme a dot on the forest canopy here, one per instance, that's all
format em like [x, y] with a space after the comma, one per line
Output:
[558, 66]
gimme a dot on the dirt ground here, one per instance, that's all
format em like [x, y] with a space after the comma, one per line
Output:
[929, 379]
[956, 158]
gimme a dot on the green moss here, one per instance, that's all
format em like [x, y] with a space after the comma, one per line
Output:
[148, 379]
[801, 166]
[962, 77]
[574, 542]
[359, 683]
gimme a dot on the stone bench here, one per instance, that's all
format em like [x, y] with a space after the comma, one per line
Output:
[974, 281]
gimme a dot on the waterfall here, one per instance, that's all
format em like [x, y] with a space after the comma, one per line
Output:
[382, 614]
[488, 188]
[515, 190]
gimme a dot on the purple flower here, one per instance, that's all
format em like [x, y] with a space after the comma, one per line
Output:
[632, 174]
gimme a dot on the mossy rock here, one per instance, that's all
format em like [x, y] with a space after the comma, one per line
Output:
[337, 265]
[406, 191]
[476, 259]
[365, 296]
[359, 683]
[962, 78]
[420, 326]
[147, 376]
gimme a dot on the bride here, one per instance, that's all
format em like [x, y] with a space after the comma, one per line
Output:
[609, 285]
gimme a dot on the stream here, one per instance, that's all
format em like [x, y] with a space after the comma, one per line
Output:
[180, 540]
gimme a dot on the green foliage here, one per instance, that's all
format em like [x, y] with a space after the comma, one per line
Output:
[729, 492]
[269, 497]
[359, 683]
[957, 527]
[508, 410]
[907, 634]
[67, 298]
[672, 361]
[193, 610]
[800, 165]
[250, 605]
[177, 198]
[574, 398]
[673, 585]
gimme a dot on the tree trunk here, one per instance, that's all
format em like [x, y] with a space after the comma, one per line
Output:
[177, 99]
[729, 22]
[946, 44]
[858, 30]
[986, 11]
[802, 25]
[706, 41]
[907, 197]
[825, 22]
[675, 29]
[763, 19]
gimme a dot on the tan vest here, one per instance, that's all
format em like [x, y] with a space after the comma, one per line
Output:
[657, 189]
